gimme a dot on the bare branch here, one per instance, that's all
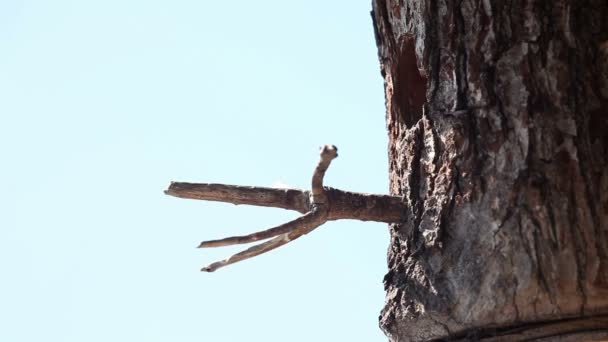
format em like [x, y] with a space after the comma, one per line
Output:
[344, 204]
[262, 235]
[248, 253]
[291, 199]
[328, 153]
[318, 205]
[315, 220]
[364, 207]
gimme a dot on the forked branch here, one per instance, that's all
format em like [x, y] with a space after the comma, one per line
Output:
[318, 206]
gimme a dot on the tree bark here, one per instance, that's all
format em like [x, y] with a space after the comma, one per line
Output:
[498, 140]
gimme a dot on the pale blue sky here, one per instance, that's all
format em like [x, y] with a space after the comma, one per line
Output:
[102, 103]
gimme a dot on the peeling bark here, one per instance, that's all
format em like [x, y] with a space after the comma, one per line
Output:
[497, 114]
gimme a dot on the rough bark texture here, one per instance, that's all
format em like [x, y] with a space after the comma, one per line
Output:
[498, 139]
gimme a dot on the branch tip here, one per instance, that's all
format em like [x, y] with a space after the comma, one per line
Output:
[329, 151]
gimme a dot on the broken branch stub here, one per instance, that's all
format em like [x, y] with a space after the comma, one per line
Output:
[318, 206]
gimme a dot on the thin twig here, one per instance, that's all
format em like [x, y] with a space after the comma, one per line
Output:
[248, 253]
[267, 246]
[261, 235]
[328, 153]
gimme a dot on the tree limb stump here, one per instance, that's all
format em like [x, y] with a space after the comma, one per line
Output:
[318, 206]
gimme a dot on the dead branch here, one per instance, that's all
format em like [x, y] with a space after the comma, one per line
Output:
[328, 153]
[261, 235]
[320, 205]
[310, 221]
[292, 199]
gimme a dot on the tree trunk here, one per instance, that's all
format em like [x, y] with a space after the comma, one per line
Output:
[498, 126]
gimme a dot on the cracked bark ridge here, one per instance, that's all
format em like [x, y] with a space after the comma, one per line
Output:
[503, 165]
[319, 205]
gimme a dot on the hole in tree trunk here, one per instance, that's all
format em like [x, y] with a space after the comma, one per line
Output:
[409, 84]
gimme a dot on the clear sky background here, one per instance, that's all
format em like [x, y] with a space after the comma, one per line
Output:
[103, 103]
